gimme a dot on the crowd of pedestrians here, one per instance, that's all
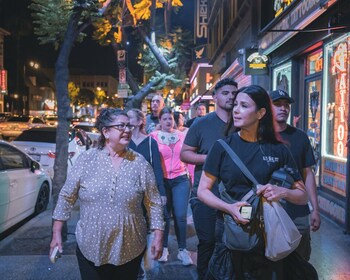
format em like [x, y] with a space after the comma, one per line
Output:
[147, 170]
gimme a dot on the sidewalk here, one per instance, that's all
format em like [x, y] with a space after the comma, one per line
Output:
[24, 254]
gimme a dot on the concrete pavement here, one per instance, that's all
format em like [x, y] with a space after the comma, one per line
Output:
[24, 253]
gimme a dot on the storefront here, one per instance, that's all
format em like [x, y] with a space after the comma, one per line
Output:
[201, 81]
[315, 70]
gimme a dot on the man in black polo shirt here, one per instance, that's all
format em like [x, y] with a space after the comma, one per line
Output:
[199, 139]
[299, 145]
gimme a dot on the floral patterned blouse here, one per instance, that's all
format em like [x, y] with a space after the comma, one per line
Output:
[112, 228]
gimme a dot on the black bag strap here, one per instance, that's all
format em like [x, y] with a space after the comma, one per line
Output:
[243, 168]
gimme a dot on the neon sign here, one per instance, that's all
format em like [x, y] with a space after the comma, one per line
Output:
[3, 81]
[339, 69]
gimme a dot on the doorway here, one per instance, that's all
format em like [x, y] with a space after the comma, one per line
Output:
[313, 91]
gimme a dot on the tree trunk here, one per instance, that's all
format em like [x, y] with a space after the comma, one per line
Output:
[131, 81]
[64, 111]
[153, 21]
[136, 100]
[164, 66]
[167, 17]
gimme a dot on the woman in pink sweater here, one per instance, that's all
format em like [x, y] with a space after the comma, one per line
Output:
[177, 185]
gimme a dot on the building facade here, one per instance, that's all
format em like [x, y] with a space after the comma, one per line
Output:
[303, 47]
[308, 43]
[3, 72]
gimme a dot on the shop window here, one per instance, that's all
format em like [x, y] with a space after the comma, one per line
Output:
[282, 77]
[314, 63]
[335, 114]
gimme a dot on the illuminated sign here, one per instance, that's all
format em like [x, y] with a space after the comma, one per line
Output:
[49, 104]
[255, 63]
[201, 21]
[200, 52]
[334, 175]
[121, 55]
[333, 209]
[122, 75]
[280, 5]
[339, 70]
[3, 81]
[208, 81]
[298, 17]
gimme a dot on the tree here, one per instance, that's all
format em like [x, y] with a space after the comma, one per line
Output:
[62, 22]
[73, 93]
[100, 97]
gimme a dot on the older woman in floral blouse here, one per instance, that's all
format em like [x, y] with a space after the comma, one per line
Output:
[111, 183]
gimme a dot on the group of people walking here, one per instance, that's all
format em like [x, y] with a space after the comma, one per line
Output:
[146, 170]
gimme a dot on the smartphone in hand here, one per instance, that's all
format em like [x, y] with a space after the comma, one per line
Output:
[246, 212]
[55, 255]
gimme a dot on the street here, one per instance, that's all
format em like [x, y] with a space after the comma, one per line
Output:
[24, 253]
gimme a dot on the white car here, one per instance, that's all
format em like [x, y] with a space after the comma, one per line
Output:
[51, 120]
[40, 144]
[15, 125]
[90, 129]
[25, 188]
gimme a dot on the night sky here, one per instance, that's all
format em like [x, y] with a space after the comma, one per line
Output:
[89, 56]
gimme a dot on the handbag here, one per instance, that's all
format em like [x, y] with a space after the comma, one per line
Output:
[281, 235]
[236, 236]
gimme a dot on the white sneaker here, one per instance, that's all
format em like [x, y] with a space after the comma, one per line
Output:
[184, 256]
[165, 254]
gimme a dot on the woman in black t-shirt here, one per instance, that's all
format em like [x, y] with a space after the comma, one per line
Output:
[257, 145]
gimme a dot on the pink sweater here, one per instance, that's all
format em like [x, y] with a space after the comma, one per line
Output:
[170, 145]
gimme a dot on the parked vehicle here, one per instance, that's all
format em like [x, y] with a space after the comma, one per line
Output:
[40, 144]
[75, 120]
[87, 118]
[25, 188]
[90, 130]
[51, 120]
[15, 125]
[5, 116]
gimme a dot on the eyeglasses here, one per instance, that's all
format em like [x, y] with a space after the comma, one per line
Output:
[123, 126]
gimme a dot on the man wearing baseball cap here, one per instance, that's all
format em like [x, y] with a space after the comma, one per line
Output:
[300, 147]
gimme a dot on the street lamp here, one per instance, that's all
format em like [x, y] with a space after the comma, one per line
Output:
[25, 97]
[15, 97]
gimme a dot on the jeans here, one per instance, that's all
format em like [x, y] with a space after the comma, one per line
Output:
[204, 219]
[127, 271]
[177, 193]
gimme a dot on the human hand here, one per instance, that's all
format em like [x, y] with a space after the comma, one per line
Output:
[315, 220]
[234, 211]
[271, 192]
[157, 245]
[56, 241]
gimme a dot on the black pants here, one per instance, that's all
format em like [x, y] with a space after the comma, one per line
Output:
[88, 271]
[204, 219]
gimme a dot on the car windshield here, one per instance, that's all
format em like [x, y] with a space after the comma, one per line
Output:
[18, 119]
[51, 118]
[37, 136]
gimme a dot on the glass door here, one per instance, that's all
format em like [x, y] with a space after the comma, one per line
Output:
[313, 88]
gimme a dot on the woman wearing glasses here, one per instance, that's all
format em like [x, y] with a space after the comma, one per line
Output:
[111, 183]
[177, 184]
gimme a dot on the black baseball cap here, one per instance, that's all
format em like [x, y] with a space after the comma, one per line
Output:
[280, 94]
